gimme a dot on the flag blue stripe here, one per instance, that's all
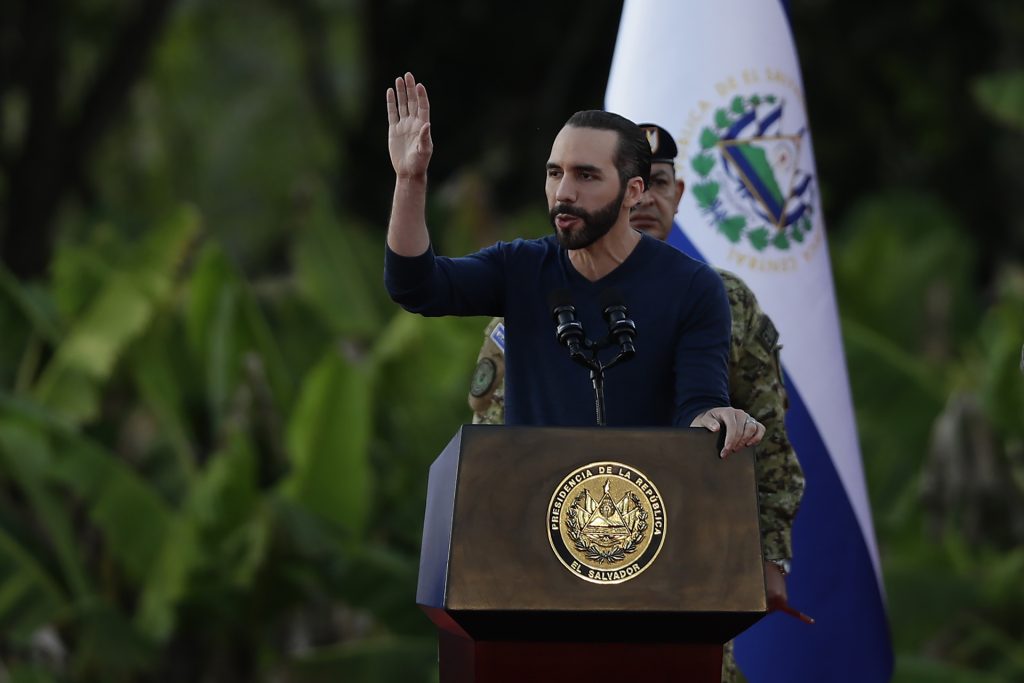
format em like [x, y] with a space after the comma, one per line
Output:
[678, 239]
[832, 571]
[833, 577]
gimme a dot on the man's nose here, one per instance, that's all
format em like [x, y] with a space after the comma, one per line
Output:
[566, 190]
[646, 199]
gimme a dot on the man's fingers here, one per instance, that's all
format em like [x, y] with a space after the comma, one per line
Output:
[759, 432]
[411, 90]
[753, 432]
[750, 430]
[392, 108]
[403, 98]
[424, 103]
[732, 440]
[709, 423]
[741, 430]
[733, 433]
[407, 100]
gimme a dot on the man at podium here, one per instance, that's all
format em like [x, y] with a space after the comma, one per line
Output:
[598, 170]
[755, 382]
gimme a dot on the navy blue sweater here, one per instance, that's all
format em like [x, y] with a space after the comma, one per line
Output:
[679, 306]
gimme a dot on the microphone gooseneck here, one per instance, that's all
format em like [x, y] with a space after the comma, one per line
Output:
[570, 334]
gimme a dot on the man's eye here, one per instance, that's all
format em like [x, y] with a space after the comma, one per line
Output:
[554, 173]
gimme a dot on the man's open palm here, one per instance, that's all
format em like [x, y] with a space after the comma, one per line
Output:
[409, 127]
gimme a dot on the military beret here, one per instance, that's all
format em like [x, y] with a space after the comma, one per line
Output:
[663, 147]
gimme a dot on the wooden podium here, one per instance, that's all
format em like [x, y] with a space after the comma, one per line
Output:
[512, 604]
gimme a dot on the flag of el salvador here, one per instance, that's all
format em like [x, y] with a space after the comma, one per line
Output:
[724, 79]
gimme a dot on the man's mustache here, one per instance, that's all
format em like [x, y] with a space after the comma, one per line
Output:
[568, 210]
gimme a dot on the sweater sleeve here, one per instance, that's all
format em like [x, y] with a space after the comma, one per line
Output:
[437, 285]
[702, 349]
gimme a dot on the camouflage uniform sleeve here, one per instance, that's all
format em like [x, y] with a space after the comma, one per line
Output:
[755, 385]
[487, 388]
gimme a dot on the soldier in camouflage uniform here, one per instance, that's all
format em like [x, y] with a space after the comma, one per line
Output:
[755, 384]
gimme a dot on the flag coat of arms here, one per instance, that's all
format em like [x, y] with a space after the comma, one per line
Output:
[724, 79]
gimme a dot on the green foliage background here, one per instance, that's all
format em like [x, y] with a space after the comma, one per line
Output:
[215, 428]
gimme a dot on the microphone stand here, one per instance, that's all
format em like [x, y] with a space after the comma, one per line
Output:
[597, 379]
[570, 334]
[597, 370]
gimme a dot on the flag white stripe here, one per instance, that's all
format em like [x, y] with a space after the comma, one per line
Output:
[658, 36]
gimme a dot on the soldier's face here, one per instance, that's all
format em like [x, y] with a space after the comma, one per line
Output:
[658, 206]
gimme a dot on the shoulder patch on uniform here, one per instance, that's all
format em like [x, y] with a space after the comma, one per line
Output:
[483, 377]
[767, 336]
[498, 336]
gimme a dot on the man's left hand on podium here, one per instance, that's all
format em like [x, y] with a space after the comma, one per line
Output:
[741, 430]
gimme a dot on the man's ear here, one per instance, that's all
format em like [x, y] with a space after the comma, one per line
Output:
[680, 187]
[634, 190]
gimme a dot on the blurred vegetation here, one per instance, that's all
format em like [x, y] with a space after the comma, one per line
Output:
[214, 427]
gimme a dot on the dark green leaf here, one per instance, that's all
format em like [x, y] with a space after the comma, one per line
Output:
[33, 303]
[29, 595]
[335, 275]
[328, 437]
[127, 510]
[167, 579]
[1001, 96]
[119, 314]
[27, 456]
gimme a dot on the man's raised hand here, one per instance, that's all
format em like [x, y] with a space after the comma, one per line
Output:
[409, 128]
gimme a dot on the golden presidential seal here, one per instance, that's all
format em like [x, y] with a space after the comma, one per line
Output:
[606, 522]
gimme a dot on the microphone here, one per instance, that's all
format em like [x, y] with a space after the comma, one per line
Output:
[621, 329]
[568, 330]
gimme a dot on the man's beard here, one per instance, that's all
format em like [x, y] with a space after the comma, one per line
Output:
[595, 225]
